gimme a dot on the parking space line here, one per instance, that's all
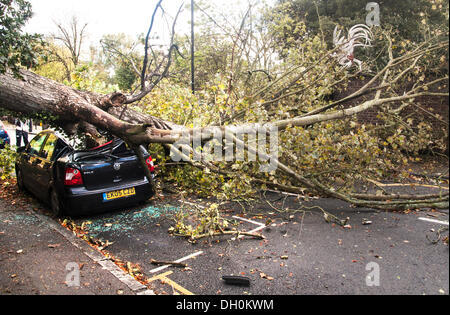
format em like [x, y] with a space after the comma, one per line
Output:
[260, 226]
[249, 221]
[433, 221]
[163, 278]
[177, 261]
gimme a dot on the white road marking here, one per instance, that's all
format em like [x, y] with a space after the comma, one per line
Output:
[249, 221]
[177, 261]
[434, 221]
[260, 226]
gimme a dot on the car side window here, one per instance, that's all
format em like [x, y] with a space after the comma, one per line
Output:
[35, 145]
[49, 147]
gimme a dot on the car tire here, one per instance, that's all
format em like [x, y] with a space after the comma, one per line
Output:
[20, 183]
[55, 204]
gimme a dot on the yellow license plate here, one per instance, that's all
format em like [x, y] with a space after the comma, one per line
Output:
[119, 194]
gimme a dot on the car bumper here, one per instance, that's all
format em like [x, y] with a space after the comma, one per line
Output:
[80, 201]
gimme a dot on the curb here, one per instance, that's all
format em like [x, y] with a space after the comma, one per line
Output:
[134, 285]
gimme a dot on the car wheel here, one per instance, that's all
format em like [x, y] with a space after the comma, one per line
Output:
[55, 203]
[19, 176]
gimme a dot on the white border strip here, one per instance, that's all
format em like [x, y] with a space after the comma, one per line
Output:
[177, 261]
[433, 221]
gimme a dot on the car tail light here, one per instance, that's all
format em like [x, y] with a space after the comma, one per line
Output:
[73, 177]
[150, 165]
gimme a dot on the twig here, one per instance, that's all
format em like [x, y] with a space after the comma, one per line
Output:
[237, 233]
[438, 234]
[172, 263]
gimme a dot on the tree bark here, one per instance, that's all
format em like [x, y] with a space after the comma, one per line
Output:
[74, 109]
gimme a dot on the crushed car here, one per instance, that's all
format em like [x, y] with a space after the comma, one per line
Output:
[82, 182]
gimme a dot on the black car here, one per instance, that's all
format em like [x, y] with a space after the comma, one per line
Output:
[81, 182]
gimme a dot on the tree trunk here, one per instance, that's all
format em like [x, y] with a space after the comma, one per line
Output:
[74, 109]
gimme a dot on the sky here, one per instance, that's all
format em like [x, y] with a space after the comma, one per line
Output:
[131, 17]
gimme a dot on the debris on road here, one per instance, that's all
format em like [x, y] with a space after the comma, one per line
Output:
[264, 276]
[236, 280]
[172, 263]
[366, 222]
[438, 237]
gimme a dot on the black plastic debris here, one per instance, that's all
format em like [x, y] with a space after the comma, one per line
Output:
[236, 280]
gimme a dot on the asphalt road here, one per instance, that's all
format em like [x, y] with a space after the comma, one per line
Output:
[302, 253]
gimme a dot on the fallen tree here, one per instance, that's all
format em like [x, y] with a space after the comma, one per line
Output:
[82, 111]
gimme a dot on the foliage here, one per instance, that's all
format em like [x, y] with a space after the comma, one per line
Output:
[204, 221]
[7, 161]
[16, 48]
[125, 77]
[337, 154]
[87, 78]
[407, 18]
[119, 55]
[55, 63]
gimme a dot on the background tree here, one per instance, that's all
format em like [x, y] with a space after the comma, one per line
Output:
[16, 48]
[405, 17]
[72, 37]
[121, 57]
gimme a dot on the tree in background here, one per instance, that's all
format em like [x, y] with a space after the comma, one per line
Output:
[120, 56]
[16, 48]
[409, 19]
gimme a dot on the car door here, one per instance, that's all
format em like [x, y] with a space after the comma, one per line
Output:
[29, 160]
[44, 164]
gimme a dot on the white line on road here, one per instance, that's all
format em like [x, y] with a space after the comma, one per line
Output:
[260, 226]
[177, 261]
[434, 221]
[249, 221]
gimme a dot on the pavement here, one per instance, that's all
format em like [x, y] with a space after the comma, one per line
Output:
[40, 257]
